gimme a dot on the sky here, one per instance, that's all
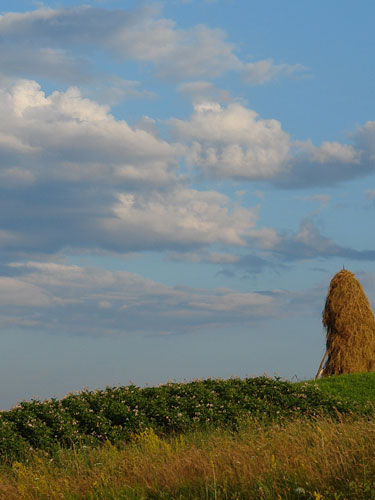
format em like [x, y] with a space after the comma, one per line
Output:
[179, 182]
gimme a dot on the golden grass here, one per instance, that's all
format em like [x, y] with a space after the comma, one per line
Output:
[320, 459]
[350, 326]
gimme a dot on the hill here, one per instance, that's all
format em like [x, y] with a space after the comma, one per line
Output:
[116, 413]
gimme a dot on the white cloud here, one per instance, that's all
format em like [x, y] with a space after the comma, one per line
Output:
[95, 182]
[321, 199]
[179, 218]
[18, 293]
[233, 142]
[138, 34]
[93, 301]
[196, 52]
[364, 141]
[309, 243]
[265, 238]
[55, 35]
[264, 71]
[203, 91]
[331, 152]
[67, 137]
[112, 90]
[331, 162]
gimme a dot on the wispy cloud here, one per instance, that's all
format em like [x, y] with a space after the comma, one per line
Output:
[141, 34]
[66, 298]
[265, 71]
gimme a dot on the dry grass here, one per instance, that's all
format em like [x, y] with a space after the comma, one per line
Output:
[303, 459]
[350, 326]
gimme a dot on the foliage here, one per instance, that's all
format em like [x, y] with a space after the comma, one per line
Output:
[116, 413]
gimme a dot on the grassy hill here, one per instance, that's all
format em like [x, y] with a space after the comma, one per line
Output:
[116, 413]
[248, 439]
[358, 387]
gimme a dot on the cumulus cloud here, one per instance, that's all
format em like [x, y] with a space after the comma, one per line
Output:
[183, 217]
[86, 180]
[328, 152]
[92, 301]
[232, 142]
[67, 137]
[331, 162]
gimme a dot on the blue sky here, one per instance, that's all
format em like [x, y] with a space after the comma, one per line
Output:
[179, 181]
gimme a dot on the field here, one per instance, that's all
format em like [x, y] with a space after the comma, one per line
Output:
[256, 438]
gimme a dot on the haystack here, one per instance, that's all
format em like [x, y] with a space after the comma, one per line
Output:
[350, 326]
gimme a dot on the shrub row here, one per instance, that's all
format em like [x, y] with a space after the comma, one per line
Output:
[115, 413]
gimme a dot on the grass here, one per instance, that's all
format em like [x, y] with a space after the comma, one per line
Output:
[301, 460]
[358, 387]
[223, 440]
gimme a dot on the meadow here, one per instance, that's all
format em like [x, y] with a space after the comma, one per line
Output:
[254, 438]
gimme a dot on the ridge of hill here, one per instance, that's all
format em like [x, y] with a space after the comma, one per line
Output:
[116, 413]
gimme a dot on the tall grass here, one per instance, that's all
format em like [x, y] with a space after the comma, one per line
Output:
[302, 459]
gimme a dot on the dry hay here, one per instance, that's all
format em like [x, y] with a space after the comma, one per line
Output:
[350, 326]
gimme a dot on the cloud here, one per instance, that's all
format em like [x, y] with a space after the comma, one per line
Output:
[112, 90]
[75, 177]
[331, 162]
[232, 142]
[16, 292]
[138, 34]
[92, 301]
[181, 218]
[278, 250]
[308, 243]
[197, 52]
[73, 300]
[264, 71]
[321, 199]
[60, 43]
[203, 91]
[45, 62]
[66, 137]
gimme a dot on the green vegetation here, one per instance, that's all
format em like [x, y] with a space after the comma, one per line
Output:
[300, 460]
[358, 387]
[114, 414]
[236, 439]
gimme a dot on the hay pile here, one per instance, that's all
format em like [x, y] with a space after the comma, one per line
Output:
[350, 326]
